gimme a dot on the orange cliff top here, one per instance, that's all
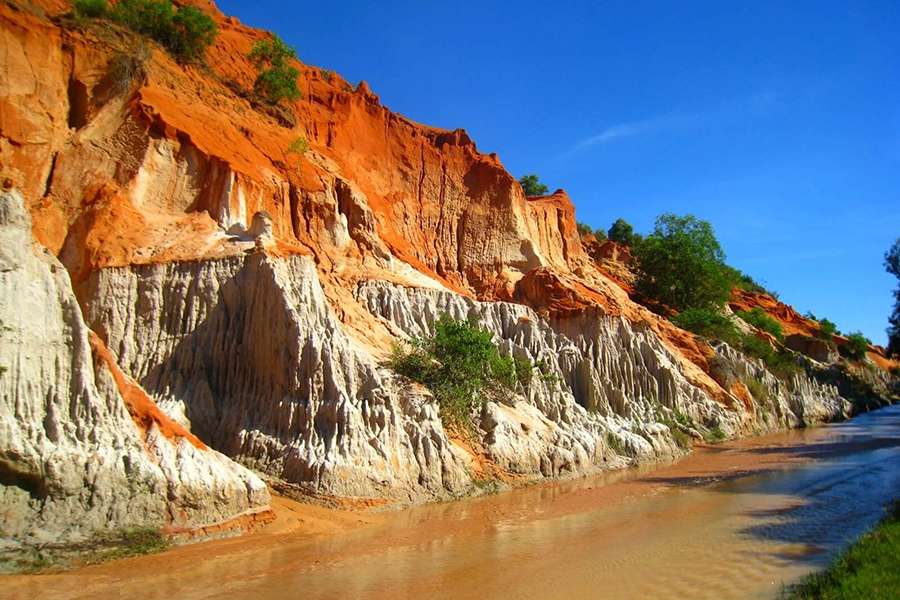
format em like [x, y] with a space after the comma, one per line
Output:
[165, 171]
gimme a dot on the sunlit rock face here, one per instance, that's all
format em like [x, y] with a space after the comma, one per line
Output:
[244, 297]
[83, 449]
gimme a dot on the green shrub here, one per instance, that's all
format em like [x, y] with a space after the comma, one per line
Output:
[152, 18]
[681, 264]
[614, 443]
[761, 320]
[709, 323]
[827, 329]
[186, 32]
[327, 74]
[298, 146]
[532, 186]
[91, 9]
[584, 229]
[461, 366]
[193, 31]
[276, 80]
[780, 362]
[857, 346]
[759, 391]
[622, 232]
[127, 543]
[714, 435]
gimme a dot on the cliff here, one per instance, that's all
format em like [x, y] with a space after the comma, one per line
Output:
[236, 297]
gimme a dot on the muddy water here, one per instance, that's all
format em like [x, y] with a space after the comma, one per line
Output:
[732, 521]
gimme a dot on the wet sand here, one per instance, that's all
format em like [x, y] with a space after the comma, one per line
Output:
[729, 521]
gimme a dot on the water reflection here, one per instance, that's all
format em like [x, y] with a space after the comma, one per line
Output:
[701, 528]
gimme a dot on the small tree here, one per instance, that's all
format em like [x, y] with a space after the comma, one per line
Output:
[827, 329]
[681, 264]
[192, 32]
[276, 80]
[622, 232]
[857, 346]
[461, 365]
[186, 32]
[532, 186]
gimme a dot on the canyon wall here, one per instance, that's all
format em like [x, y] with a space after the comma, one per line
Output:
[230, 295]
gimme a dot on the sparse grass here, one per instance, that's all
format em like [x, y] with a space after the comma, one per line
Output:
[761, 320]
[759, 391]
[868, 570]
[714, 435]
[615, 444]
[106, 546]
[681, 438]
[327, 74]
[129, 542]
[299, 146]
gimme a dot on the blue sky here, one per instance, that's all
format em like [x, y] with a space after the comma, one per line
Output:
[779, 122]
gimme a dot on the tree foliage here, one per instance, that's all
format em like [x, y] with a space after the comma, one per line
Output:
[622, 232]
[761, 320]
[857, 346]
[186, 32]
[585, 229]
[532, 185]
[461, 366]
[91, 9]
[710, 324]
[681, 264]
[276, 79]
[827, 329]
[892, 264]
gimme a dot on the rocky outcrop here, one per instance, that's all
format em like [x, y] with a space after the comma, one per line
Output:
[247, 353]
[83, 449]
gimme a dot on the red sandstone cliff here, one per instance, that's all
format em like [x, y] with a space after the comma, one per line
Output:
[251, 292]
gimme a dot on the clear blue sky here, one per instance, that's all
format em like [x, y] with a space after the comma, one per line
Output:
[779, 122]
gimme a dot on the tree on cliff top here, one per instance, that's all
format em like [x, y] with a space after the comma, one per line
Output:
[276, 80]
[681, 264]
[622, 232]
[892, 264]
[532, 186]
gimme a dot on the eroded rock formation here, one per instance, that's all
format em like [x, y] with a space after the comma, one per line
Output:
[83, 448]
[244, 297]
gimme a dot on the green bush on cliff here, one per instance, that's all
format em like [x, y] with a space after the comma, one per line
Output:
[622, 232]
[709, 323]
[532, 186]
[761, 320]
[681, 264]
[857, 346]
[90, 9]
[186, 32]
[461, 366]
[276, 79]
[827, 329]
